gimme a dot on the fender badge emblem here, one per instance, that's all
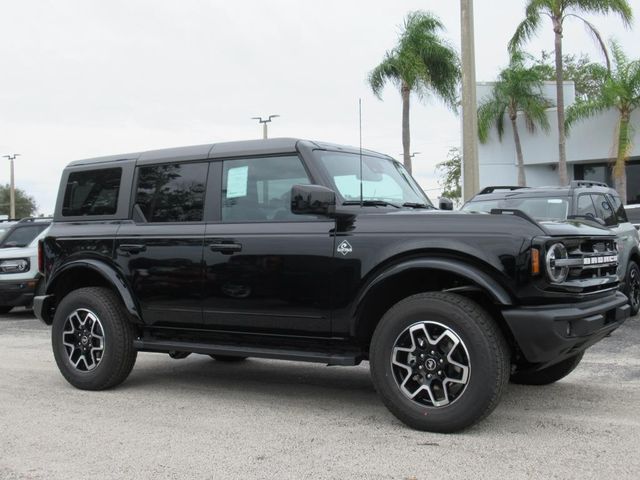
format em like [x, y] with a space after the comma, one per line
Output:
[345, 248]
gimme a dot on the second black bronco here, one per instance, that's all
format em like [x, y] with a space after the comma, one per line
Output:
[309, 251]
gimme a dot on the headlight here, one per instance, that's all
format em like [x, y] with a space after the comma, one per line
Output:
[557, 273]
[17, 265]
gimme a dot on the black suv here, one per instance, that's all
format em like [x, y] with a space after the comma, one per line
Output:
[308, 251]
[581, 200]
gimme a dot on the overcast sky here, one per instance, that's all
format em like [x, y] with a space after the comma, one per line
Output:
[83, 78]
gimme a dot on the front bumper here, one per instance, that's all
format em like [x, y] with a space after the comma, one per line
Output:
[17, 293]
[550, 333]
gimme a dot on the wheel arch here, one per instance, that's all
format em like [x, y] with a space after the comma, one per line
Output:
[88, 273]
[416, 275]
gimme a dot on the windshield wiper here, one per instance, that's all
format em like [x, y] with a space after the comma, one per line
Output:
[418, 205]
[371, 203]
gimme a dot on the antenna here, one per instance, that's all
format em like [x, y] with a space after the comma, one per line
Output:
[360, 124]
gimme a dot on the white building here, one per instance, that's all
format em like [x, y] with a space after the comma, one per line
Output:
[590, 147]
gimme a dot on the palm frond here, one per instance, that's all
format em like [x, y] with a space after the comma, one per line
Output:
[604, 7]
[593, 31]
[583, 110]
[386, 71]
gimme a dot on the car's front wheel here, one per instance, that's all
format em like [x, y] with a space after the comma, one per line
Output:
[439, 362]
[92, 339]
[632, 289]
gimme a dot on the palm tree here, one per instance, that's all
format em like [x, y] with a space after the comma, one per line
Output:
[517, 91]
[620, 90]
[559, 11]
[422, 62]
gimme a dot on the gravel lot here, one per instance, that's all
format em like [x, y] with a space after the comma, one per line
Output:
[195, 418]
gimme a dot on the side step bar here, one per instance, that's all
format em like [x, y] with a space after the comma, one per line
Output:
[165, 346]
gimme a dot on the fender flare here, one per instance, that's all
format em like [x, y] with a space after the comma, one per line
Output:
[112, 276]
[483, 280]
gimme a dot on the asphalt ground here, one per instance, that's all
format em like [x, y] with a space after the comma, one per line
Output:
[198, 419]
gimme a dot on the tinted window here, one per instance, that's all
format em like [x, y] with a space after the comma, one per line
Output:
[259, 189]
[23, 236]
[540, 208]
[621, 215]
[172, 192]
[585, 206]
[92, 192]
[603, 209]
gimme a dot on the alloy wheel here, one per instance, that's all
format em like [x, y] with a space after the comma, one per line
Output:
[430, 364]
[83, 339]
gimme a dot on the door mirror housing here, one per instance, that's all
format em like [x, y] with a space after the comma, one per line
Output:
[312, 200]
[445, 203]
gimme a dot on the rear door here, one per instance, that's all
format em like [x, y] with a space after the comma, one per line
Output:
[267, 270]
[160, 250]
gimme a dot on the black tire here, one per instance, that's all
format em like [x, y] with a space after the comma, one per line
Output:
[482, 341]
[118, 356]
[5, 309]
[632, 287]
[548, 375]
[228, 358]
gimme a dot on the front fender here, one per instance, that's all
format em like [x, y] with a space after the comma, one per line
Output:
[112, 276]
[474, 274]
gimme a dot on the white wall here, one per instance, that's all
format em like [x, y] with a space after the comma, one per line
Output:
[589, 140]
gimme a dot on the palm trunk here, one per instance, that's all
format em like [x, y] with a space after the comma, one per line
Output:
[405, 91]
[562, 158]
[619, 168]
[522, 180]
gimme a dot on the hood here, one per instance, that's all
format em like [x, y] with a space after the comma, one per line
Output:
[573, 227]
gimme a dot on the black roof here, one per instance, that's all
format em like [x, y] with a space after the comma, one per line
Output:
[243, 148]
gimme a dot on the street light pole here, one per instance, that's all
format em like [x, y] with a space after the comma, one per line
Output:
[264, 122]
[470, 173]
[12, 191]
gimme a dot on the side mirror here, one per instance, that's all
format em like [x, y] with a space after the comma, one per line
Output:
[312, 200]
[445, 203]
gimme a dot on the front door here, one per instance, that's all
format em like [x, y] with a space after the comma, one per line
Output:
[266, 269]
[160, 250]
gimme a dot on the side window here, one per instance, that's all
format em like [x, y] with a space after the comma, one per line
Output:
[172, 192]
[92, 192]
[259, 189]
[604, 210]
[621, 215]
[585, 206]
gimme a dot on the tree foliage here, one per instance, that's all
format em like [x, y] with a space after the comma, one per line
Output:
[422, 63]
[26, 205]
[618, 89]
[451, 173]
[585, 74]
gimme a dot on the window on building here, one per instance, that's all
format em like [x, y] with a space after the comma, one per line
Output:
[172, 192]
[633, 182]
[259, 189]
[92, 192]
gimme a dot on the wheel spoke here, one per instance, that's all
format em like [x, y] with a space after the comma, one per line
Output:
[83, 338]
[430, 364]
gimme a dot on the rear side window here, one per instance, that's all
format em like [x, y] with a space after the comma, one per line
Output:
[621, 215]
[92, 192]
[172, 192]
[604, 210]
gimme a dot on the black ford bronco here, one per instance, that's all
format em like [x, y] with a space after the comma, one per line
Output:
[307, 251]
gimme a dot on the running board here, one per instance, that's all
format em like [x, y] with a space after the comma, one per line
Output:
[165, 346]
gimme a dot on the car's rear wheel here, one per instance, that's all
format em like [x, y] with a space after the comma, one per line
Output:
[228, 358]
[548, 375]
[632, 289]
[439, 362]
[5, 309]
[93, 339]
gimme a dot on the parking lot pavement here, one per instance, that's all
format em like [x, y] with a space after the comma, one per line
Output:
[195, 418]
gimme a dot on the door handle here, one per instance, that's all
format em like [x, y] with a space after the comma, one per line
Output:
[226, 248]
[128, 248]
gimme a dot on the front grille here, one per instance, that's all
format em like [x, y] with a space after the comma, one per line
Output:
[592, 265]
[594, 258]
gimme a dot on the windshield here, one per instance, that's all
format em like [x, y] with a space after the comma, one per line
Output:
[22, 236]
[383, 179]
[539, 208]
